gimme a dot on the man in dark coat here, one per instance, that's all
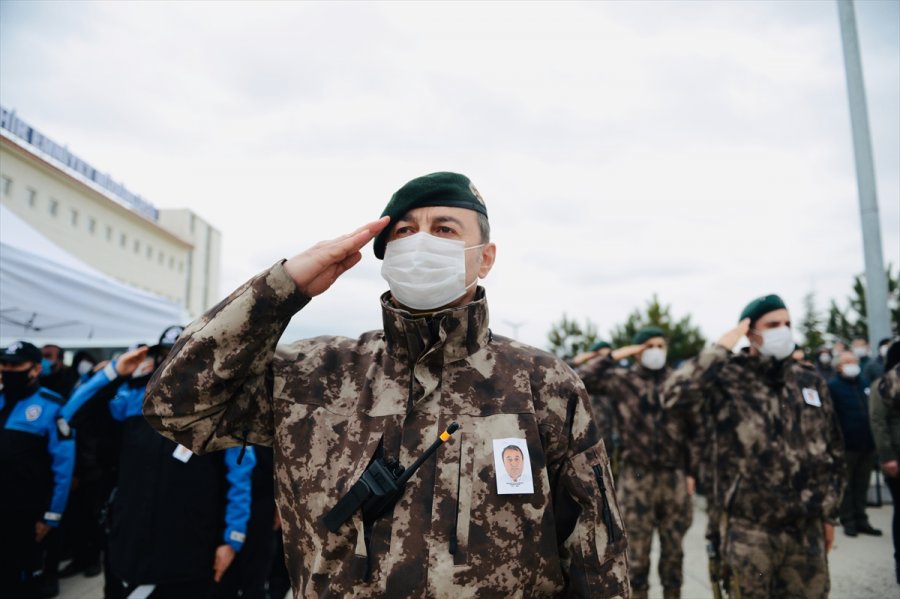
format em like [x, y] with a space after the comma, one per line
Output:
[852, 407]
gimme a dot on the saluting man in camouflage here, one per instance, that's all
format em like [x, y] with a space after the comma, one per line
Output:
[332, 407]
[778, 458]
[654, 488]
[601, 408]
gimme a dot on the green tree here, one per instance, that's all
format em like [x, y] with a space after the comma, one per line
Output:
[685, 340]
[568, 338]
[811, 325]
[838, 324]
[853, 321]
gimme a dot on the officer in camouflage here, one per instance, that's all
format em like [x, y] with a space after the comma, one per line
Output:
[332, 406]
[601, 408]
[653, 486]
[778, 459]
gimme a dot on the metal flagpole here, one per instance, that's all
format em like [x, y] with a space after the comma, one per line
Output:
[876, 279]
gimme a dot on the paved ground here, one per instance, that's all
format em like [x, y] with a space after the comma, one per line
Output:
[861, 567]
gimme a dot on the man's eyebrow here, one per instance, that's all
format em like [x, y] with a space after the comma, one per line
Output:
[437, 220]
[449, 219]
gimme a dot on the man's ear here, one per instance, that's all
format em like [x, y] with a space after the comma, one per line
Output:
[488, 255]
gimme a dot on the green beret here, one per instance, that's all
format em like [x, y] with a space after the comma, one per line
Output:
[647, 333]
[761, 306]
[598, 345]
[436, 189]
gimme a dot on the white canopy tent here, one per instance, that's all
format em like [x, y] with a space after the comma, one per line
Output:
[48, 295]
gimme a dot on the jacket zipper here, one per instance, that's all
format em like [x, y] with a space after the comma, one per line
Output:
[607, 513]
[454, 539]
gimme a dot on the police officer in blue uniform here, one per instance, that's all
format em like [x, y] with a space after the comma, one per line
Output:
[37, 456]
[177, 519]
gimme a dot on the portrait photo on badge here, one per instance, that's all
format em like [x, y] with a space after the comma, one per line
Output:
[512, 467]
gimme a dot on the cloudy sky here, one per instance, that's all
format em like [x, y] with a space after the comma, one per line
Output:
[698, 150]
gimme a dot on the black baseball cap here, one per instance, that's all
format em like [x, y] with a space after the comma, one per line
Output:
[21, 352]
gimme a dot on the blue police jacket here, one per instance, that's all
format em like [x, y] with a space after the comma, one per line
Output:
[37, 457]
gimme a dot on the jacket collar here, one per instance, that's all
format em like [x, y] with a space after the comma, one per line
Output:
[454, 333]
[774, 372]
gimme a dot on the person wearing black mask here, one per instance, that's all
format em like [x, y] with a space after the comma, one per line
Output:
[852, 408]
[37, 456]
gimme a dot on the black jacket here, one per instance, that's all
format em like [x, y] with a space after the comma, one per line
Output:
[167, 516]
[852, 407]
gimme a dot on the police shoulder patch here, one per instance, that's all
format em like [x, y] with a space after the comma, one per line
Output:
[33, 412]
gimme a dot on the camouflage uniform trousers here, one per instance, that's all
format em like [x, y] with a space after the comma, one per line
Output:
[655, 498]
[788, 563]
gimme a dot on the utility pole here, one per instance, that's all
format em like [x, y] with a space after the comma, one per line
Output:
[876, 280]
[515, 327]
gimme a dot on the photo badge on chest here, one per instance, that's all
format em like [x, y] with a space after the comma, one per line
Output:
[512, 467]
[811, 397]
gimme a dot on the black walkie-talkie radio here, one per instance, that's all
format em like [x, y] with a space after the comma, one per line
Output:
[379, 487]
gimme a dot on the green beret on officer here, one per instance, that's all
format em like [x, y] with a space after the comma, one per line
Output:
[762, 306]
[647, 333]
[436, 189]
[598, 345]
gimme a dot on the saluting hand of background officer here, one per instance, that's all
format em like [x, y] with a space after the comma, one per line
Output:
[626, 352]
[731, 338]
[130, 360]
[618, 354]
[316, 269]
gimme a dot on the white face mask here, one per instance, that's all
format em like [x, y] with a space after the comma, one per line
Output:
[426, 272]
[882, 351]
[653, 358]
[84, 367]
[825, 359]
[850, 371]
[777, 343]
[860, 352]
[145, 367]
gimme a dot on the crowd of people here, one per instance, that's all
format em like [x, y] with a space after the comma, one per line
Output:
[214, 462]
[746, 448]
[95, 488]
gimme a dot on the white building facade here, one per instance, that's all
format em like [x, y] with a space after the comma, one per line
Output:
[172, 253]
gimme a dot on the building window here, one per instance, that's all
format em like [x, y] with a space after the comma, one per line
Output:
[149, 252]
[137, 246]
[53, 206]
[159, 257]
[32, 197]
[123, 239]
[7, 185]
[74, 215]
[171, 263]
[92, 225]
[108, 233]
[181, 266]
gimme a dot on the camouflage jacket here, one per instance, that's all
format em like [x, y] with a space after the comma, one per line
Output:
[885, 415]
[650, 436]
[327, 404]
[777, 447]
